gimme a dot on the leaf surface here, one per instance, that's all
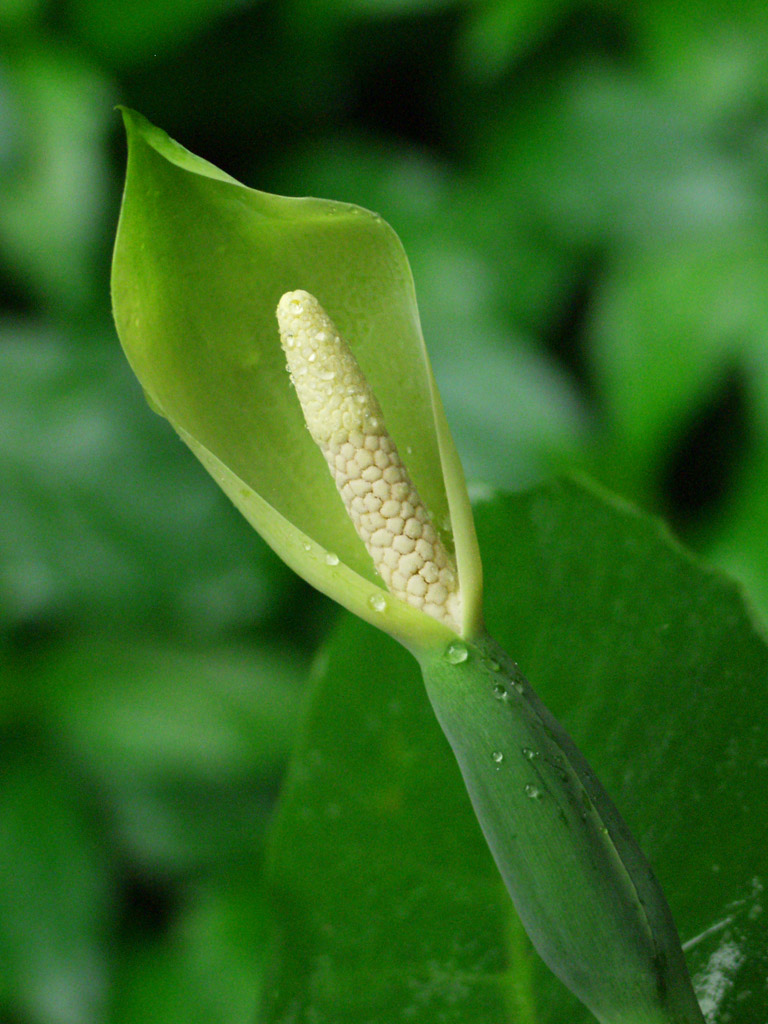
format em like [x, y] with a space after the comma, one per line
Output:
[389, 906]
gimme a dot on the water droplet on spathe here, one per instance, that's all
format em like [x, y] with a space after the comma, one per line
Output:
[497, 756]
[331, 559]
[307, 546]
[500, 692]
[378, 602]
[530, 754]
[456, 652]
[519, 687]
[532, 792]
[493, 665]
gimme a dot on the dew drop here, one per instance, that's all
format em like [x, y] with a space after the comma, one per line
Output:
[500, 692]
[290, 341]
[331, 559]
[307, 546]
[519, 687]
[456, 652]
[532, 792]
[493, 665]
[530, 754]
[378, 602]
[497, 756]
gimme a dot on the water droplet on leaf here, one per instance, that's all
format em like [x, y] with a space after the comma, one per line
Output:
[497, 756]
[532, 792]
[331, 559]
[456, 652]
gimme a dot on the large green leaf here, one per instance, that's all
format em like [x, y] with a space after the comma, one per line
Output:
[388, 904]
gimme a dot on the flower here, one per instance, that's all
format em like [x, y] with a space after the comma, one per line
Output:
[200, 264]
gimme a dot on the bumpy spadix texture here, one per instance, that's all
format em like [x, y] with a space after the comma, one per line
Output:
[346, 422]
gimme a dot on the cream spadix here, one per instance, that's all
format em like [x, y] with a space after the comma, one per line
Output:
[347, 423]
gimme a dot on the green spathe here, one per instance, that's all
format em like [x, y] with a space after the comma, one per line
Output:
[200, 263]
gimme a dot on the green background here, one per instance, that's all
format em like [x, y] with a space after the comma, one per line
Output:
[582, 192]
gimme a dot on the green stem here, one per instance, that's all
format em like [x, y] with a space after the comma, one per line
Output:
[581, 885]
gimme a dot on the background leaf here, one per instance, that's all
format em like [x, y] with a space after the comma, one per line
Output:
[657, 671]
[580, 189]
[56, 893]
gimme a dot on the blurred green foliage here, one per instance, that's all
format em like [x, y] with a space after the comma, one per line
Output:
[582, 191]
